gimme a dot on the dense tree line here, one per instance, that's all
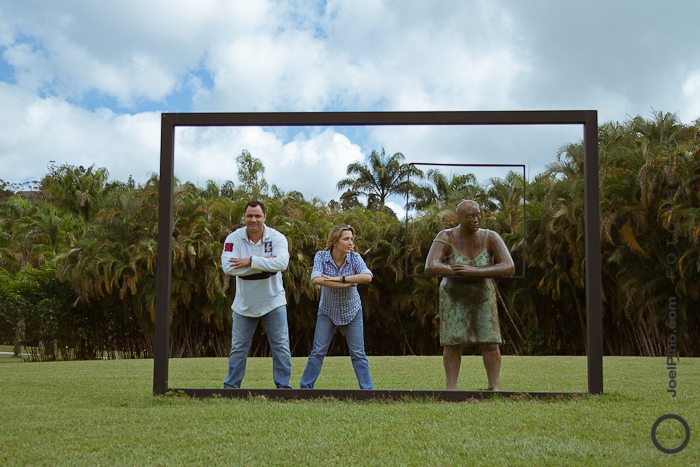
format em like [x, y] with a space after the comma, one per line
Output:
[78, 253]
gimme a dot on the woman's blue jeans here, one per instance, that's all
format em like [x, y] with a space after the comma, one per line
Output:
[354, 333]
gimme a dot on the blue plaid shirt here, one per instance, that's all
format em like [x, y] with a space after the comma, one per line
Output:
[340, 304]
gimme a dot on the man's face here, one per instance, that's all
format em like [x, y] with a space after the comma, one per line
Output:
[470, 217]
[254, 219]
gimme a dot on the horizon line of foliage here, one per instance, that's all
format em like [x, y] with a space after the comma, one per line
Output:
[78, 255]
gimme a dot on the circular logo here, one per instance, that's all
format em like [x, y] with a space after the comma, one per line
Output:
[685, 427]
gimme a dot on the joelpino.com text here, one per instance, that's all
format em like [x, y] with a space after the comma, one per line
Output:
[671, 260]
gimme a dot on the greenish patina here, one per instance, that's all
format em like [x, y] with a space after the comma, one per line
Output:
[468, 308]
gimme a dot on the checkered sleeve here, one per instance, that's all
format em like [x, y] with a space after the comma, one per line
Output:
[359, 266]
[317, 270]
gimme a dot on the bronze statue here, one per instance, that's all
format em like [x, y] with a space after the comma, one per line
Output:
[468, 308]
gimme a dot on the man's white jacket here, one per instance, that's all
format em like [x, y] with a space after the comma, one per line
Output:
[259, 287]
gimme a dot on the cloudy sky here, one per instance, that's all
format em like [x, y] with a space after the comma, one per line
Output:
[84, 82]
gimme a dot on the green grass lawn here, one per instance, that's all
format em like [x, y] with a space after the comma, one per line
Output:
[103, 413]
[4, 358]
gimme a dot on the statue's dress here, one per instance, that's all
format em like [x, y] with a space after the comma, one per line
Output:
[468, 308]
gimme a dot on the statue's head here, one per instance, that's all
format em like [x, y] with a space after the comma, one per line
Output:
[467, 203]
[469, 214]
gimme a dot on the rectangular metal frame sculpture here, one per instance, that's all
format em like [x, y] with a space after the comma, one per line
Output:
[594, 304]
[519, 276]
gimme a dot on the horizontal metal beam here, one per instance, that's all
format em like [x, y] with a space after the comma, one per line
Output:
[524, 117]
[363, 394]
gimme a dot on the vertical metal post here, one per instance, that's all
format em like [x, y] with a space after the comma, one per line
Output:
[164, 260]
[594, 295]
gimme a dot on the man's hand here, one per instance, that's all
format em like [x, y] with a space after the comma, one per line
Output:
[240, 262]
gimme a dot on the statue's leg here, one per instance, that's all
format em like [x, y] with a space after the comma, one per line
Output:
[492, 362]
[451, 359]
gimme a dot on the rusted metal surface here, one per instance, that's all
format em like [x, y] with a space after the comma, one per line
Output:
[587, 118]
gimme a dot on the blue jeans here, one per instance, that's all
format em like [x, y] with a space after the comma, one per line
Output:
[354, 333]
[278, 337]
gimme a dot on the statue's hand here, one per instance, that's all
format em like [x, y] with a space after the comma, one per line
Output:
[464, 270]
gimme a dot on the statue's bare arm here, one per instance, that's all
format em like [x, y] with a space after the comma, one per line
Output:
[504, 265]
[503, 262]
[437, 253]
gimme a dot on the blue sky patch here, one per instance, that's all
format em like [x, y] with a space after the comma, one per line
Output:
[7, 71]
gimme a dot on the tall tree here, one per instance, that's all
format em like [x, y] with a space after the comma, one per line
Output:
[250, 174]
[382, 177]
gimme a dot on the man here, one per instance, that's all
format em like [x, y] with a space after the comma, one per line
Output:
[468, 308]
[257, 254]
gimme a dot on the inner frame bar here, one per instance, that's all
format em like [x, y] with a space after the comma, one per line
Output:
[587, 118]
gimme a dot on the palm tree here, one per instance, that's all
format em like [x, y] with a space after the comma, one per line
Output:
[382, 177]
[77, 190]
[444, 191]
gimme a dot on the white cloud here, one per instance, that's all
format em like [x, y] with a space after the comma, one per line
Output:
[398, 209]
[691, 92]
[34, 131]
[312, 163]
[393, 55]
[129, 50]
[262, 72]
[362, 55]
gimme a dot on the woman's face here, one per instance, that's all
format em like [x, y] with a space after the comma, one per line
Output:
[346, 242]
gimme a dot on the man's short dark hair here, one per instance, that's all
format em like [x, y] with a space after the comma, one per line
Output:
[253, 204]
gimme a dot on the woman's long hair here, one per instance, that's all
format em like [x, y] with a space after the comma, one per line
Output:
[335, 234]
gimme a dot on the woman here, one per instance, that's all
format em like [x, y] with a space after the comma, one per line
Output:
[338, 269]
